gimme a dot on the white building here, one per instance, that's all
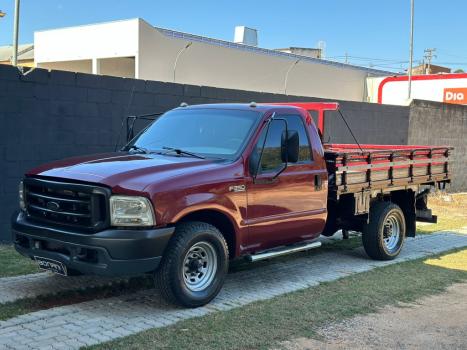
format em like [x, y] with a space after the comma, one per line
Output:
[134, 48]
[393, 90]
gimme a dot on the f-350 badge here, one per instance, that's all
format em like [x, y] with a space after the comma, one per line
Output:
[237, 188]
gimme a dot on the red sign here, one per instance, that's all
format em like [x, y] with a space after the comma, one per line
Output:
[455, 95]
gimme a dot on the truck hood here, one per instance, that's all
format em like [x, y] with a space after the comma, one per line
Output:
[127, 171]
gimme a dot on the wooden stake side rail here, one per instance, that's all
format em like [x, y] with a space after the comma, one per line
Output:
[378, 167]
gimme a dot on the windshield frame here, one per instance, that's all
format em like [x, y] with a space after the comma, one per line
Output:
[233, 157]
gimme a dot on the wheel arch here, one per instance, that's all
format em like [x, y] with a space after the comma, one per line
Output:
[405, 199]
[219, 220]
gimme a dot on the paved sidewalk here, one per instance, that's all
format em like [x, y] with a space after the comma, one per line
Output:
[70, 327]
[38, 284]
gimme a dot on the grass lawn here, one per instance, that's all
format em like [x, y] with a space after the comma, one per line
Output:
[451, 211]
[13, 264]
[264, 324]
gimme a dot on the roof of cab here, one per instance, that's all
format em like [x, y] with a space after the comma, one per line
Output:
[259, 107]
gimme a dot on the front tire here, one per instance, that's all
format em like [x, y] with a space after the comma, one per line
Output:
[194, 265]
[383, 237]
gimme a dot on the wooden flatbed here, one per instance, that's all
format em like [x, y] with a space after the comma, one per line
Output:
[354, 168]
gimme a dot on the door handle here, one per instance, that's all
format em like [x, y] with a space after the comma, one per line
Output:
[318, 183]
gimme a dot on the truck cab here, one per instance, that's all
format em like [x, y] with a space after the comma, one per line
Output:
[198, 187]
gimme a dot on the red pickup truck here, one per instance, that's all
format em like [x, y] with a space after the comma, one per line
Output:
[205, 184]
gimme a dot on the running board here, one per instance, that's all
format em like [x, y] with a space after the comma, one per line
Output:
[282, 251]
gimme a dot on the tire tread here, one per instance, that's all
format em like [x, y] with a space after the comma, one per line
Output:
[370, 236]
[184, 232]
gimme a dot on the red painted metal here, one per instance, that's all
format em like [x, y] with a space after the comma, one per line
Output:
[416, 78]
[319, 107]
[381, 154]
[270, 212]
[358, 169]
[336, 147]
[289, 208]
[179, 186]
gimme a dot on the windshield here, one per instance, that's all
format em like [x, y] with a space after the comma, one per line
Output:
[218, 133]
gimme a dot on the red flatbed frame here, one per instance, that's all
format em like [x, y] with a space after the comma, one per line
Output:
[355, 168]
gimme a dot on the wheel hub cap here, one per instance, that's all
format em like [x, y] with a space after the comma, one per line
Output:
[391, 232]
[199, 266]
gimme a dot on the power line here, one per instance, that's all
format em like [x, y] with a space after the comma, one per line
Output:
[443, 53]
[389, 62]
[393, 64]
[366, 58]
[452, 63]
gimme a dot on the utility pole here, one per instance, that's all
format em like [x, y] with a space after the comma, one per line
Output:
[411, 48]
[429, 55]
[15, 35]
[346, 58]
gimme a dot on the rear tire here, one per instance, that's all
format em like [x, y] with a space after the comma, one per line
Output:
[194, 265]
[383, 237]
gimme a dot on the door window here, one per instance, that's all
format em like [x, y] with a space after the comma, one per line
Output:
[295, 122]
[271, 160]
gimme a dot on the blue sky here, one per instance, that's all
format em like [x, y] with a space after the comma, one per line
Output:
[370, 32]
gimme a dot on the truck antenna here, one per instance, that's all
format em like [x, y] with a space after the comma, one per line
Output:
[130, 100]
[348, 127]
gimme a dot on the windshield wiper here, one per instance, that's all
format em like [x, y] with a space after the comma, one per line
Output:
[139, 149]
[180, 151]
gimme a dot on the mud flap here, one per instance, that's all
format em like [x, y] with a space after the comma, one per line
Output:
[423, 213]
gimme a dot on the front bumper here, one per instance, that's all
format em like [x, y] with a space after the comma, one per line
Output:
[111, 252]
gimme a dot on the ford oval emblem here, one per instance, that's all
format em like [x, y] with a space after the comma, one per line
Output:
[53, 206]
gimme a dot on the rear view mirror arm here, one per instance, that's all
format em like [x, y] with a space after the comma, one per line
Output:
[262, 146]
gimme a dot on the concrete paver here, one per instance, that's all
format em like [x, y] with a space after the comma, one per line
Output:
[106, 319]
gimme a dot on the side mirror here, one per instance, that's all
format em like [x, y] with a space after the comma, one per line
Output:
[290, 146]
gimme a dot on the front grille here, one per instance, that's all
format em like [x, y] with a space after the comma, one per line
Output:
[81, 206]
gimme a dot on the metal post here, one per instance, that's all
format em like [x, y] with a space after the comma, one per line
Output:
[15, 34]
[178, 56]
[411, 48]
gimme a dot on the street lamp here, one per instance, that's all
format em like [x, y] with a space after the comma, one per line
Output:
[287, 74]
[2, 14]
[178, 56]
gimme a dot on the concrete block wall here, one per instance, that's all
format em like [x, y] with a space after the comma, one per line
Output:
[435, 123]
[370, 123]
[46, 116]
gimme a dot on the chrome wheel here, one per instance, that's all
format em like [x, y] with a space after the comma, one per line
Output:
[199, 266]
[392, 232]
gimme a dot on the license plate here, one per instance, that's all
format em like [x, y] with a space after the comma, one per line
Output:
[51, 265]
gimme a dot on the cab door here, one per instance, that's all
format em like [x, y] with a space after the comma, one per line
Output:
[288, 207]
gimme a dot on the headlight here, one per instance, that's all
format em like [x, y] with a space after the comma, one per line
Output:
[131, 211]
[22, 205]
